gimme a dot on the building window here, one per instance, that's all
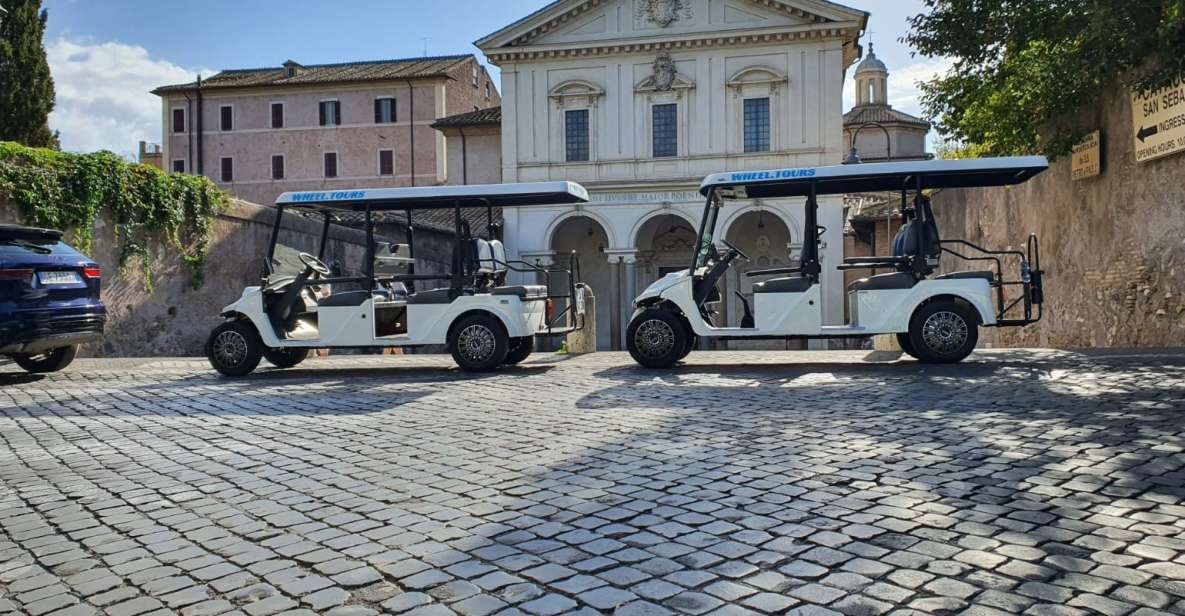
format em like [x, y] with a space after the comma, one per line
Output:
[386, 162]
[331, 164]
[178, 165]
[576, 135]
[228, 170]
[331, 113]
[277, 115]
[384, 110]
[475, 75]
[756, 124]
[665, 127]
[278, 167]
[488, 88]
[226, 118]
[178, 120]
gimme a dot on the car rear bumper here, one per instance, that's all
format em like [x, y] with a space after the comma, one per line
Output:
[37, 332]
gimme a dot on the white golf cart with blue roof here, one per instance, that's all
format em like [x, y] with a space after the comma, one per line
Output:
[302, 304]
[935, 317]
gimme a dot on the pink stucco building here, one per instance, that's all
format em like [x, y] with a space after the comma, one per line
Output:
[260, 132]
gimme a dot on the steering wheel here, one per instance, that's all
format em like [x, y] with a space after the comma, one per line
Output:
[314, 264]
[736, 250]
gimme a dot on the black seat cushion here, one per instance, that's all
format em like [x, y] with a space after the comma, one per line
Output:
[523, 291]
[988, 276]
[345, 298]
[792, 284]
[896, 280]
[435, 296]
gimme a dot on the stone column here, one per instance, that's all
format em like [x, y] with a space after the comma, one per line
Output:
[631, 290]
[614, 303]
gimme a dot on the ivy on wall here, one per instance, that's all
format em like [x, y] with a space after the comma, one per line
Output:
[67, 191]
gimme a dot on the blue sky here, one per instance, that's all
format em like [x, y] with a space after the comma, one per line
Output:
[106, 56]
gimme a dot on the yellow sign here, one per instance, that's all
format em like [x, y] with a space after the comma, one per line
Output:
[1158, 121]
[1086, 162]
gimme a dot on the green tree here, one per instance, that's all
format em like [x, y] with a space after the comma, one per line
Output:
[1024, 67]
[26, 87]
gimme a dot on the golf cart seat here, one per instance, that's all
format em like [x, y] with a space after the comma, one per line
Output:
[986, 275]
[345, 298]
[884, 282]
[435, 296]
[524, 291]
[792, 284]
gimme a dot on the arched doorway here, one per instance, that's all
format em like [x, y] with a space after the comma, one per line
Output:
[765, 238]
[588, 239]
[664, 244]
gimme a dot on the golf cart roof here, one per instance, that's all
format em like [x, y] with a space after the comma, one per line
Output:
[438, 197]
[875, 177]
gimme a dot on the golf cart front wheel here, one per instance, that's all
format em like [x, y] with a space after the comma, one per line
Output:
[285, 358]
[906, 345]
[945, 331]
[234, 348]
[46, 361]
[657, 338]
[479, 343]
[519, 350]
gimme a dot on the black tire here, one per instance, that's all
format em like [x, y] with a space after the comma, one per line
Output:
[234, 348]
[478, 343]
[46, 361]
[285, 358]
[691, 342]
[519, 350]
[906, 345]
[657, 338]
[943, 331]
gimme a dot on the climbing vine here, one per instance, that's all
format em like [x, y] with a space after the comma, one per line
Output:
[61, 190]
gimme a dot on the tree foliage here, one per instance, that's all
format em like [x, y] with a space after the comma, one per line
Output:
[1024, 67]
[26, 87]
[67, 191]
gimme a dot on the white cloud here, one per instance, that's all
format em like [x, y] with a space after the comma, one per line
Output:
[904, 94]
[103, 94]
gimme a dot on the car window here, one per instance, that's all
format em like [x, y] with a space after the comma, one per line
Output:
[20, 247]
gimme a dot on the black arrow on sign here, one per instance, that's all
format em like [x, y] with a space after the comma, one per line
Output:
[1146, 131]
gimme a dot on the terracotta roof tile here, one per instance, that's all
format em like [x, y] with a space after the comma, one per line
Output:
[378, 70]
[491, 115]
[881, 113]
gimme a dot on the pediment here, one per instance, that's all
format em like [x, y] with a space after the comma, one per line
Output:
[580, 22]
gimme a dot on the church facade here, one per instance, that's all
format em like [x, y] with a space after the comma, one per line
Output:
[639, 100]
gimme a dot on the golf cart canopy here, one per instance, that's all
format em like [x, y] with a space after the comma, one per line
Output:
[875, 177]
[438, 197]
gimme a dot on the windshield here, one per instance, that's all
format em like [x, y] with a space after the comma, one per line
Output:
[16, 247]
[707, 231]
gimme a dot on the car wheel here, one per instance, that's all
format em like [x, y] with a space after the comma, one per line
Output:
[285, 358]
[906, 345]
[943, 332]
[46, 361]
[234, 348]
[520, 349]
[692, 340]
[478, 343]
[657, 338]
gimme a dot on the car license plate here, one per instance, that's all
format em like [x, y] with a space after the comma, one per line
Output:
[59, 277]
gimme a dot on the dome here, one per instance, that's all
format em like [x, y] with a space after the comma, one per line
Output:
[871, 63]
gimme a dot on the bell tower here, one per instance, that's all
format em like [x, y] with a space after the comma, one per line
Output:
[872, 81]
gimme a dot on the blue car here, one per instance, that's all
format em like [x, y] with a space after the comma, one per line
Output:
[49, 299]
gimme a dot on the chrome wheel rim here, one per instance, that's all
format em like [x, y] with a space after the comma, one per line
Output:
[945, 332]
[476, 343]
[654, 338]
[230, 348]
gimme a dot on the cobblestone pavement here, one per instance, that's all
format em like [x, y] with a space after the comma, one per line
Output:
[1039, 482]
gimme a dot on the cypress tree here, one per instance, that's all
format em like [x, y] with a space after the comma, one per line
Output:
[26, 87]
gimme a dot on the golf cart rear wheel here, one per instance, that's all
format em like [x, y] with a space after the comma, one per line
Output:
[520, 349]
[479, 343]
[285, 358]
[46, 361]
[657, 338]
[943, 332]
[234, 348]
[906, 346]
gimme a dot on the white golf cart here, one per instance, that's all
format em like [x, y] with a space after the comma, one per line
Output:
[302, 304]
[935, 318]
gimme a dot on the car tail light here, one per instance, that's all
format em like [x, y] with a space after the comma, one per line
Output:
[550, 308]
[15, 274]
[92, 272]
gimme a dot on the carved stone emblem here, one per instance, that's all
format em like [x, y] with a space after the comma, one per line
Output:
[663, 12]
[664, 72]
